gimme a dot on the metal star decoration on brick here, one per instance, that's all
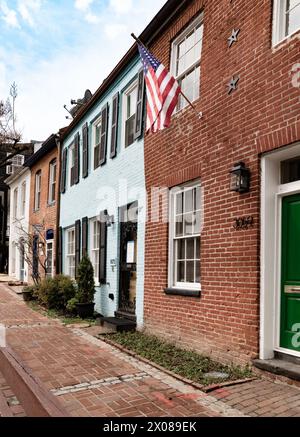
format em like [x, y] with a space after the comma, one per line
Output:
[232, 85]
[233, 37]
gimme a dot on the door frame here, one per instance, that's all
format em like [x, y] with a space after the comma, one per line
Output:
[285, 190]
[270, 241]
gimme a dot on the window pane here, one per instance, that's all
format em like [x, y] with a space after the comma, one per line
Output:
[181, 49]
[179, 226]
[293, 19]
[197, 222]
[197, 266]
[190, 271]
[198, 248]
[188, 224]
[290, 170]
[197, 198]
[179, 203]
[188, 201]
[190, 58]
[199, 33]
[180, 249]
[190, 248]
[190, 41]
[180, 271]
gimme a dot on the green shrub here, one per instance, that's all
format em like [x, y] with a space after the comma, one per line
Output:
[85, 281]
[54, 293]
[71, 305]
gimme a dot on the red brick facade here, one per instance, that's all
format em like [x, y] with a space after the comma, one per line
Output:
[46, 215]
[261, 115]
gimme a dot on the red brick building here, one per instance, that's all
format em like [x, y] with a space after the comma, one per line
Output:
[237, 297]
[44, 201]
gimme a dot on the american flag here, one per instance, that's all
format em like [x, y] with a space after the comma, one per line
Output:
[162, 92]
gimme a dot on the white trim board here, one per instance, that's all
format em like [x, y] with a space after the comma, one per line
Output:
[271, 195]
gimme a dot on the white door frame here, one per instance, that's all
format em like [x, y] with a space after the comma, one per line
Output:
[271, 197]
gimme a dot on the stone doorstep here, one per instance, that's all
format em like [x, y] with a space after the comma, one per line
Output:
[279, 367]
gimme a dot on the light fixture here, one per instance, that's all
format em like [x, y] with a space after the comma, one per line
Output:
[240, 178]
[109, 219]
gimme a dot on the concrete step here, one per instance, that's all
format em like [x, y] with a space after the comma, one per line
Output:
[280, 366]
[118, 324]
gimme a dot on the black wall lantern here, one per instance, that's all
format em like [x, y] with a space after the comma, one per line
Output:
[240, 178]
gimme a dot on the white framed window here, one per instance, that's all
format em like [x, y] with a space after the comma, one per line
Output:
[96, 129]
[15, 205]
[37, 194]
[50, 258]
[52, 182]
[72, 164]
[286, 19]
[94, 246]
[185, 236]
[128, 111]
[186, 61]
[16, 162]
[23, 199]
[71, 252]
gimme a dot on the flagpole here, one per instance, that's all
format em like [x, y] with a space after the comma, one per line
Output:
[199, 114]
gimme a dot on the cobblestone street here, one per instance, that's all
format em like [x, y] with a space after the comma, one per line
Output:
[92, 378]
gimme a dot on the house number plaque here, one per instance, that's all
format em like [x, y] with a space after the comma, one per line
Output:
[243, 222]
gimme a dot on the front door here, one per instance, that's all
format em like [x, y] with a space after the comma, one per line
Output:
[290, 274]
[22, 261]
[128, 257]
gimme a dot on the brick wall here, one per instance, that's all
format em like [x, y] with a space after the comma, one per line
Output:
[46, 216]
[263, 114]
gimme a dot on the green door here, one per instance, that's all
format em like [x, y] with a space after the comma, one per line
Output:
[290, 274]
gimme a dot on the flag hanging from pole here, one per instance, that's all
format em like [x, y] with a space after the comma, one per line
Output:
[162, 92]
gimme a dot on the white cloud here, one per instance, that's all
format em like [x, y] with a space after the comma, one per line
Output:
[121, 6]
[113, 31]
[83, 5]
[91, 18]
[9, 15]
[27, 9]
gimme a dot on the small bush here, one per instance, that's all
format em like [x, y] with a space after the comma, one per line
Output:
[71, 305]
[54, 293]
[85, 281]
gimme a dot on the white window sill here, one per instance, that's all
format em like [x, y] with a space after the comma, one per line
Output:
[178, 291]
[286, 40]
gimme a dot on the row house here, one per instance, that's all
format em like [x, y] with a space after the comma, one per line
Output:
[7, 170]
[102, 192]
[222, 274]
[43, 189]
[19, 188]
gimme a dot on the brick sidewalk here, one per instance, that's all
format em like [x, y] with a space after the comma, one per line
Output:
[9, 404]
[91, 378]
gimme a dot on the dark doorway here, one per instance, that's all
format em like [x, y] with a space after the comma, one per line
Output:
[128, 258]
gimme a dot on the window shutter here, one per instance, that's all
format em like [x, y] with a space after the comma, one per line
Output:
[76, 163]
[63, 171]
[85, 150]
[103, 141]
[84, 236]
[138, 125]
[77, 245]
[102, 248]
[114, 126]
[59, 251]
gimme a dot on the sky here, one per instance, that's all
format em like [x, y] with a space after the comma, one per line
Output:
[55, 50]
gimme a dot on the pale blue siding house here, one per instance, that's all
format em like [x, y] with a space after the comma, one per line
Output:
[102, 206]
